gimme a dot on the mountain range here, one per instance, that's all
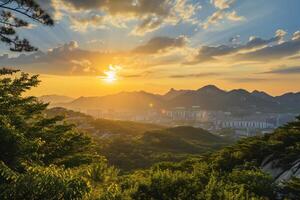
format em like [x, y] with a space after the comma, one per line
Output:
[208, 97]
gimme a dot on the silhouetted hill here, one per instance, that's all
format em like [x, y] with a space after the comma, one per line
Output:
[124, 101]
[209, 97]
[172, 93]
[262, 95]
[213, 98]
[289, 101]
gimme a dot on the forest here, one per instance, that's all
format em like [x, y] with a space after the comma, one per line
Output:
[45, 157]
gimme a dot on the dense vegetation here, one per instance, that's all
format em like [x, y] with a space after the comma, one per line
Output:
[171, 144]
[43, 157]
[132, 145]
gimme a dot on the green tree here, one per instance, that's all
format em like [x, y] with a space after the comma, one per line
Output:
[164, 185]
[35, 149]
[254, 181]
[46, 183]
[28, 136]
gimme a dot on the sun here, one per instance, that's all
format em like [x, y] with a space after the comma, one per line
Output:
[111, 75]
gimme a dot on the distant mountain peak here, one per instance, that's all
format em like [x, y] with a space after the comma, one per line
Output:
[239, 91]
[260, 93]
[172, 93]
[210, 88]
[172, 90]
[209, 97]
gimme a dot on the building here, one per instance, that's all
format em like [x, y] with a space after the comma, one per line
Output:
[185, 114]
[244, 124]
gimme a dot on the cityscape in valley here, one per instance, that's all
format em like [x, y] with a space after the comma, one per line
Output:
[239, 111]
[149, 100]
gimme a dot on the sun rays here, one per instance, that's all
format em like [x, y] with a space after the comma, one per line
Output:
[111, 74]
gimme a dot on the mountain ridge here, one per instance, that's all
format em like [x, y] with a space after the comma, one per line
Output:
[209, 97]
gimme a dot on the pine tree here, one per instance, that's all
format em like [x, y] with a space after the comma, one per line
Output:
[10, 22]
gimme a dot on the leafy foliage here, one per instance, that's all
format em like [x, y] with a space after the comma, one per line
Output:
[35, 149]
[47, 183]
[171, 144]
[132, 145]
[231, 173]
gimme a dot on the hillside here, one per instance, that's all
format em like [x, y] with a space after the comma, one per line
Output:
[103, 127]
[181, 140]
[257, 168]
[171, 144]
[132, 145]
[118, 127]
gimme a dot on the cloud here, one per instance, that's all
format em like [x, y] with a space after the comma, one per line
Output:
[222, 13]
[247, 80]
[255, 45]
[235, 39]
[66, 59]
[297, 57]
[70, 59]
[161, 44]
[214, 19]
[95, 41]
[256, 42]
[137, 75]
[147, 25]
[82, 65]
[281, 50]
[222, 4]
[285, 70]
[199, 75]
[296, 35]
[82, 23]
[234, 17]
[148, 15]
[219, 15]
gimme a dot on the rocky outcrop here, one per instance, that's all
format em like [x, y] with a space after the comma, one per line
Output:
[270, 166]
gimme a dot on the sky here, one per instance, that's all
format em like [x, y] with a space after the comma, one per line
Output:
[100, 47]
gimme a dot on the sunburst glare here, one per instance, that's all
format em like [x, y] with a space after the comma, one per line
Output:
[111, 74]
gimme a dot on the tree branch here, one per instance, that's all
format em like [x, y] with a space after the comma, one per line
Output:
[9, 24]
[5, 3]
[23, 13]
